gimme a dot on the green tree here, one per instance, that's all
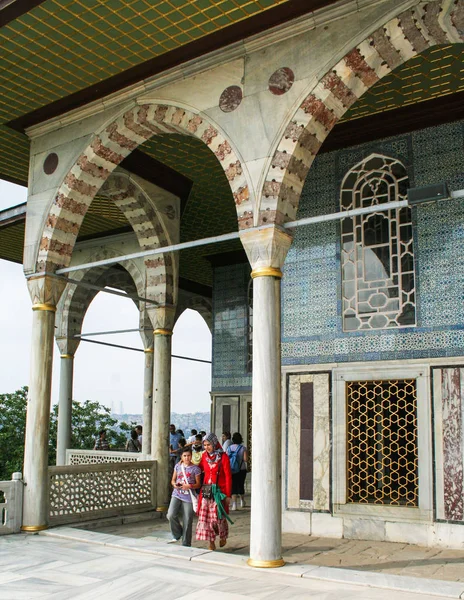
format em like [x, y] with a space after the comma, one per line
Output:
[88, 419]
[12, 429]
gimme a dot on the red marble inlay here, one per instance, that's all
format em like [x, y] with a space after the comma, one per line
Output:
[271, 189]
[230, 98]
[103, 152]
[223, 150]
[317, 108]
[457, 18]
[75, 208]
[50, 163]
[360, 68]
[60, 248]
[241, 195]
[132, 125]
[332, 82]
[160, 113]
[281, 81]
[119, 138]
[209, 134]
[453, 451]
[280, 160]
[194, 123]
[80, 186]
[293, 131]
[91, 168]
[233, 170]
[177, 116]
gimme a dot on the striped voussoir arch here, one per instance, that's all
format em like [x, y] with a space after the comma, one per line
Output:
[403, 37]
[106, 151]
[142, 216]
[76, 299]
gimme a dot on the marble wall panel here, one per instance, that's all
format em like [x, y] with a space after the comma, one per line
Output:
[321, 442]
[449, 442]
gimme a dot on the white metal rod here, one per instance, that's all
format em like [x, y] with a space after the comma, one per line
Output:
[140, 350]
[80, 335]
[99, 288]
[235, 234]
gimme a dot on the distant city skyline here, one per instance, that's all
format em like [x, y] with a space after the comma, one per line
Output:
[103, 374]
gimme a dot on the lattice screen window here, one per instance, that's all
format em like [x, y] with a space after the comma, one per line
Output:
[382, 449]
[250, 327]
[378, 285]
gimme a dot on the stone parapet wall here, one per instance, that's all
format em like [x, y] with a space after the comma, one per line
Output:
[85, 492]
[11, 508]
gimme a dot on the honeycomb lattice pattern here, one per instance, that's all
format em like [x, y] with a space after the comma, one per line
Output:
[382, 454]
[84, 491]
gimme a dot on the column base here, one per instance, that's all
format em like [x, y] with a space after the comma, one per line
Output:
[265, 564]
[33, 528]
[162, 509]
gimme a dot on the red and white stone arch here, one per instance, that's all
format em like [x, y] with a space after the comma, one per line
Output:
[161, 270]
[106, 151]
[403, 37]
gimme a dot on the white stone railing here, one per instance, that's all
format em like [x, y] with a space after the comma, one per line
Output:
[94, 491]
[98, 457]
[11, 509]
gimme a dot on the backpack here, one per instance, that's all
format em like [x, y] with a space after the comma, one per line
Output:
[235, 462]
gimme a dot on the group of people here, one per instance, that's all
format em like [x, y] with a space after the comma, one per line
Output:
[210, 484]
[133, 444]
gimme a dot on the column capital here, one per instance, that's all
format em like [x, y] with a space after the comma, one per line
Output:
[162, 317]
[67, 346]
[266, 249]
[45, 291]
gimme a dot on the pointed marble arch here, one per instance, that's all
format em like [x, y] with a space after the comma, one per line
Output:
[76, 299]
[200, 304]
[403, 37]
[139, 211]
[106, 151]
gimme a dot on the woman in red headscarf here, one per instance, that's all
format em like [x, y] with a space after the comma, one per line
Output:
[213, 505]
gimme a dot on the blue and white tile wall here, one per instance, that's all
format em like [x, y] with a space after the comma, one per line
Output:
[311, 297]
[230, 350]
[312, 322]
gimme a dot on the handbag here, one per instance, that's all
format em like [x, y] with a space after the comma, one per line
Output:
[207, 491]
[207, 488]
[193, 496]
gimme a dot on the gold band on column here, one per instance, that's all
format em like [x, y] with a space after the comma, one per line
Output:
[149, 350]
[265, 564]
[266, 272]
[33, 528]
[162, 332]
[49, 307]
[67, 356]
[161, 509]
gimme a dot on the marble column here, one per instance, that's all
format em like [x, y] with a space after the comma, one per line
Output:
[65, 407]
[45, 292]
[162, 403]
[266, 251]
[147, 400]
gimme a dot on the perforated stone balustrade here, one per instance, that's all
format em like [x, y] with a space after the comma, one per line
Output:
[11, 504]
[93, 491]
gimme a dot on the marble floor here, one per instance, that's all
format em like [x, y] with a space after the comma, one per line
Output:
[384, 557]
[38, 566]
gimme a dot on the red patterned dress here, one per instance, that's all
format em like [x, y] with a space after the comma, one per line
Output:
[209, 526]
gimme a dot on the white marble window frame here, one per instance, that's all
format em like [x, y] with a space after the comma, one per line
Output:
[421, 373]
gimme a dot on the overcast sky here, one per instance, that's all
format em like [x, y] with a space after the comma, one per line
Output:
[100, 373]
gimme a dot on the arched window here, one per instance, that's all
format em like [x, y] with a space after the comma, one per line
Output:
[250, 327]
[377, 255]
